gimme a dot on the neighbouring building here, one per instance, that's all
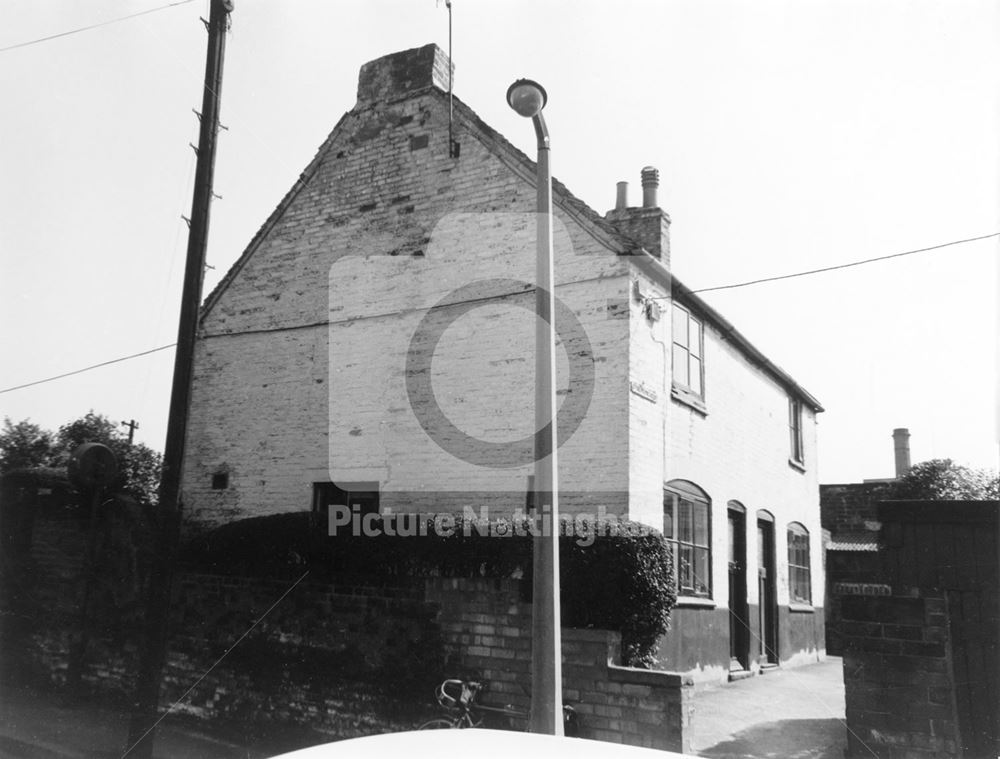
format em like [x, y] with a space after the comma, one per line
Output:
[849, 514]
[366, 350]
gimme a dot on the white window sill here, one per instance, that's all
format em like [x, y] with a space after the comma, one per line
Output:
[685, 397]
[694, 602]
[801, 608]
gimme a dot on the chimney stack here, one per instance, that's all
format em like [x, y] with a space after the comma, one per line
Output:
[901, 445]
[650, 181]
[648, 226]
[621, 201]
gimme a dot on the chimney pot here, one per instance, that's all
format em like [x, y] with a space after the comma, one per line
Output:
[650, 182]
[621, 203]
[901, 446]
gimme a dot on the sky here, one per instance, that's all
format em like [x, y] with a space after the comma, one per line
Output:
[789, 136]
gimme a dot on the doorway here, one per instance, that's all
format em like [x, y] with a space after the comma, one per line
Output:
[739, 625]
[767, 590]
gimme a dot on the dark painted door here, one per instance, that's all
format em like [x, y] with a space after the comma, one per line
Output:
[767, 593]
[739, 639]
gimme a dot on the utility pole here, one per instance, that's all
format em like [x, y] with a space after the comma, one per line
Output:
[145, 713]
[132, 425]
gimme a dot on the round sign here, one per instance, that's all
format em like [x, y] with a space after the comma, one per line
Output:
[92, 465]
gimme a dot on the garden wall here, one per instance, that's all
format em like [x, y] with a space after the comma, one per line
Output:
[345, 659]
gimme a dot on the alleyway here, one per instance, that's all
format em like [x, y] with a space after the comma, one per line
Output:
[796, 713]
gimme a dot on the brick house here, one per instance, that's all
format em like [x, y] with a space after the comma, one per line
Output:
[314, 381]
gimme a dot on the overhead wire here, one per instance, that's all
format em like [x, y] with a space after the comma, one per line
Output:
[707, 289]
[87, 368]
[845, 266]
[93, 26]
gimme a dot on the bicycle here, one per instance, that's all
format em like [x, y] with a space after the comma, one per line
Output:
[466, 712]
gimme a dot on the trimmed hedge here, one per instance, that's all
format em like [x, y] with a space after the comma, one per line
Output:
[619, 580]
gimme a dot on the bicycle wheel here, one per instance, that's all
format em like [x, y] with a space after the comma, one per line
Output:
[439, 724]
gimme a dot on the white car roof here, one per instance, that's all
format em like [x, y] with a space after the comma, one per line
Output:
[474, 742]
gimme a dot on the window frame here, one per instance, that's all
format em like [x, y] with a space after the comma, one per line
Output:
[679, 311]
[369, 495]
[796, 442]
[674, 493]
[799, 574]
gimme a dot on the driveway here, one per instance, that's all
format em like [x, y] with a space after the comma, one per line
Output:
[796, 713]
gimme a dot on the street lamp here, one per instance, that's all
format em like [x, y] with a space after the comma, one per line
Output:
[528, 98]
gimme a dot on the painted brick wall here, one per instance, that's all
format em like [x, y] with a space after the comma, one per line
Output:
[738, 451]
[385, 224]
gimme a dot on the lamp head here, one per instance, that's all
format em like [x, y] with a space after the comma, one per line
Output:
[526, 97]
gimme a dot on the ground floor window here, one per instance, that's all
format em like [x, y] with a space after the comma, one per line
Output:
[359, 496]
[687, 527]
[799, 580]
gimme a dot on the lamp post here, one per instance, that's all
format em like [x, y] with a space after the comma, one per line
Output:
[528, 98]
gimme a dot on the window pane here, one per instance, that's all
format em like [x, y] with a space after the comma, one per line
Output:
[685, 526]
[668, 515]
[680, 326]
[694, 337]
[680, 366]
[701, 524]
[685, 567]
[701, 571]
[695, 379]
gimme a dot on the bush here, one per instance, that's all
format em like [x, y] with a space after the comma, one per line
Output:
[623, 581]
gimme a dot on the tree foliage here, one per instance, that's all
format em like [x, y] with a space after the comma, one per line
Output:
[944, 480]
[25, 445]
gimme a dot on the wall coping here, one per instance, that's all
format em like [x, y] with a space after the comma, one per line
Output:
[657, 678]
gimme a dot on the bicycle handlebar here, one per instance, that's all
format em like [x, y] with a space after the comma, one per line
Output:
[467, 691]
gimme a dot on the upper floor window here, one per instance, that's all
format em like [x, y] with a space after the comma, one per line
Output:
[688, 351]
[795, 430]
[686, 526]
[799, 581]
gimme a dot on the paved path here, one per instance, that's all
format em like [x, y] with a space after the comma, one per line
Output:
[796, 713]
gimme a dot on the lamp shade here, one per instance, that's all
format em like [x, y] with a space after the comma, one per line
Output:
[526, 97]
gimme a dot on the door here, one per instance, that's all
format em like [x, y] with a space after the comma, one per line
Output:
[739, 638]
[767, 592]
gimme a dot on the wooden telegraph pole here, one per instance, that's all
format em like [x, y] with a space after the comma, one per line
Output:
[145, 713]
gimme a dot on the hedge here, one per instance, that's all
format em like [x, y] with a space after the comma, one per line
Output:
[623, 581]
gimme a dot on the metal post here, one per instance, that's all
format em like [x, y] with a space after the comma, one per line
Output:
[142, 726]
[528, 98]
[546, 652]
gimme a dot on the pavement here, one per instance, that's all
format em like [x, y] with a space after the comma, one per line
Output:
[796, 713]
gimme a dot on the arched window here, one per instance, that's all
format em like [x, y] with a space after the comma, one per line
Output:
[687, 527]
[799, 582]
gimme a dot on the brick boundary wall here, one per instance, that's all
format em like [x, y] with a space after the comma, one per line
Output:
[345, 660]
[898, 677]
[921, 664]
[487, 629]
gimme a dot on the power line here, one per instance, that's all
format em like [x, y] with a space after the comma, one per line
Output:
[93, 26]
[87, 368]
[846, 266]
[703, 290]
